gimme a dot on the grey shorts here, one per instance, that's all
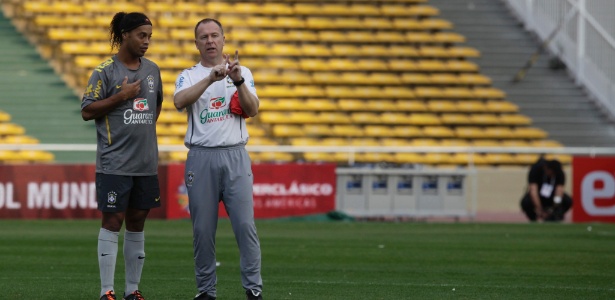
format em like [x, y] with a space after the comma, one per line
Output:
[116, 193]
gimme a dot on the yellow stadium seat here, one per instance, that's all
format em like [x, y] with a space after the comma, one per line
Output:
[303, 117]
[4, 117]
[18, 139]
[178, 129]
[463, 52]
[394, 118]
[436, 24]
[333, 36]
[474, 79]
[407, 131]
[287, 131]
[546, 143]
[395, 142]
[301, 35]
[515, 143]
[308, 91]
[290, 23]
[163, 129]
[486, 143]
[370, 65]
[261, 141]
[377, 23]
[515, 119]
[374, 50]
[441, 106]
[320, 104]
[334, 118]
[327, 78]
[276, 91]
[304, 141]
[390, 36]
[275, 156]
[403, 51]
[403, 65]
[358, 78]
[315, 50]
[382, 78]
[432, 65]
[438, 132]
[433, 52]
[319, 156]
[35, 156]
[351, 104]
[408, 24]
[380, 105]
[344, 65]
[170, 140]
[347, 130]
[411, 105]
[397, 92]
[319, 23]
[176, 63]
[501, 106]
[529, 133]
[455, 119]
[276, 9]
[500, 159]
[461, 66]
[284, 50]
[499, 133]
[423, 119]
[255, 131]
[177, 22]
[363, 10]
[306, 9]
[468, 132]
[243, 35]
[314, 64]
[238, 8]
[525, 158]
[448, 37]
[468, 158]
[261, 21]
[425, 142]
[484, 119]
[454, 143]
[415, 78]
[457, 92]
[346, 22]
[334, 142]
[317, 130]
[471, 106]
[273, 117]
[378, 131]
[419, 37]
[489, 93]
[268, 76]
[374, 157]
[340, 92]
[279, 63]
[365, 118]
[11, 129]
[408, 158]
[428, 92]
[444, 79]
[436, 158]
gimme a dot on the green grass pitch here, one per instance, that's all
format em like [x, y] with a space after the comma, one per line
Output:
[327, 260]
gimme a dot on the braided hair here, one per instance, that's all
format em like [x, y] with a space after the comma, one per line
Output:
[125, 22]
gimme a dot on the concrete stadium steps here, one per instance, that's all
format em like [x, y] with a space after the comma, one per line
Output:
[550, 97]
[38, 99]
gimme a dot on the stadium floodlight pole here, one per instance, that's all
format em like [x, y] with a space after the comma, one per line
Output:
[543, 46]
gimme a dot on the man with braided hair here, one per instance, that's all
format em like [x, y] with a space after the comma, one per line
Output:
[124, 97]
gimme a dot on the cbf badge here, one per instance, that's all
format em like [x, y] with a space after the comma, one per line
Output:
[189, 178]
[150, 83]
[112, 197]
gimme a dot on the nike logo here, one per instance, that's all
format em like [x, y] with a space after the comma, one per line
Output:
[118, 86]
[157, 199]
[104, 254]
[141, 257]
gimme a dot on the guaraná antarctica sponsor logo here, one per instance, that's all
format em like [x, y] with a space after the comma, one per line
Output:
[139, 114]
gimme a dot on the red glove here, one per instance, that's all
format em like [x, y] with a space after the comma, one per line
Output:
[236, 107]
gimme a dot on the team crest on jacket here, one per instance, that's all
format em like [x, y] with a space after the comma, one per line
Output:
[140, 104]
[150, 83]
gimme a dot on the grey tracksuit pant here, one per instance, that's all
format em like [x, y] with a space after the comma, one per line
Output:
[211, 175]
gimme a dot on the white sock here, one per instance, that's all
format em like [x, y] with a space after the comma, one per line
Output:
[107, 254]
[134, 257]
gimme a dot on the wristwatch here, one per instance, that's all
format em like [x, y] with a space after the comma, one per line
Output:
[240, 82]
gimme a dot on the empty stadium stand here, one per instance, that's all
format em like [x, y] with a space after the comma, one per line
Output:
[358, 73]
